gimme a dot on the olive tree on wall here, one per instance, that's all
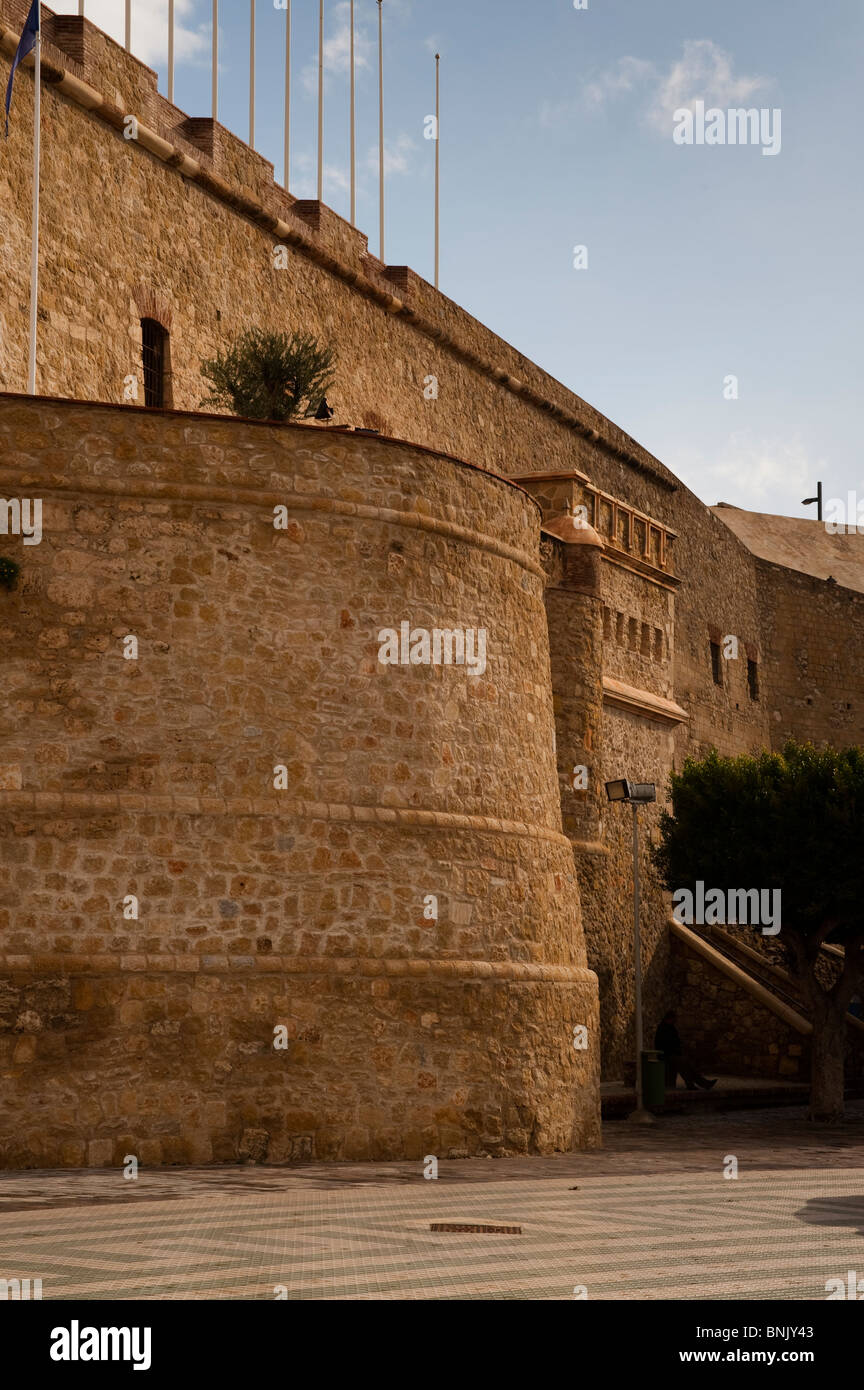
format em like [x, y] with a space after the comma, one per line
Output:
[270, 376]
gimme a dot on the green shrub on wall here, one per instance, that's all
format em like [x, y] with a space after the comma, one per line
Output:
[270, 376]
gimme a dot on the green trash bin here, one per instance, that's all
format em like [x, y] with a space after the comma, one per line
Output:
[653, 1079]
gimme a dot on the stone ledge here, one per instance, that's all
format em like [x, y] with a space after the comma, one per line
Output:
[100, 803]
[642, 702]
[643, 568]
[526, 972]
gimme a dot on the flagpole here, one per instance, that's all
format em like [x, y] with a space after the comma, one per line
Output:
[215, 60]
[320, 101]
[381, 128]
[437, 165]
[287, 95]
[170, 50]
[128, 26]
[353, 130]
[252, 73]
[34, 261]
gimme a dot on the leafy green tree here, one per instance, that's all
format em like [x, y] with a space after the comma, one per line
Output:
[270, 376]
[794, 821]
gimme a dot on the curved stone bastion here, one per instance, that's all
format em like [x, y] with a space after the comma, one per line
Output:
[265, 894]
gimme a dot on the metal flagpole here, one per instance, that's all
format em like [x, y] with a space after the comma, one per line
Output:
[34, 260]
[287, 95]
[353, 130]
[170, 50]
[320, 101]
[128, 26]
[252, 73]
[381, 128]
[437, 165]
[81, 7]
[215, 62]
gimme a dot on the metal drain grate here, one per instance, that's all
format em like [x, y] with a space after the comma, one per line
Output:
[463, 1228]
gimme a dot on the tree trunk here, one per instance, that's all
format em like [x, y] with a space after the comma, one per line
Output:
[828, 1056]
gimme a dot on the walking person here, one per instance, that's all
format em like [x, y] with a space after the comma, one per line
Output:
[668, 1042]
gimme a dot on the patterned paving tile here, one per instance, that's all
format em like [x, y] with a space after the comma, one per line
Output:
[634, 1237]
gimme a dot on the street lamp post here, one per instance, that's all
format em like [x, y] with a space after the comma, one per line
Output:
[808, 501]
[638, 794]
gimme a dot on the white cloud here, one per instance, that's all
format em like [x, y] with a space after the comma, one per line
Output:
[149, 27]
[703, 72]
[627, 75]
[747, 471]
[305, 168]
[396, 156]
[337, 47]
[397, 160]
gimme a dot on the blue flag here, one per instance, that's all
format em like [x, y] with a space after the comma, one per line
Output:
[27, 44]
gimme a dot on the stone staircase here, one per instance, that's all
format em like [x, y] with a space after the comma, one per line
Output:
[742, 1014]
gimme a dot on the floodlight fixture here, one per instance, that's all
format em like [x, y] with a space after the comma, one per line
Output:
[618, 791]
[622, 790]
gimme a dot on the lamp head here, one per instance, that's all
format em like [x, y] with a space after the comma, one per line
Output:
[639, 792]
[618, 791]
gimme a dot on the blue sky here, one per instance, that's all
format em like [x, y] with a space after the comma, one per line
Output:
[703, 261]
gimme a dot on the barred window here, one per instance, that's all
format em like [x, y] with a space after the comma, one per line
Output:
[153, 338]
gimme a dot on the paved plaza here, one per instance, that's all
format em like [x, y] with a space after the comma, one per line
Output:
[650, 1216]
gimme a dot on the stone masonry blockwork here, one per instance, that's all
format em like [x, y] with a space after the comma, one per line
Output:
[301, 907]
[181, 225]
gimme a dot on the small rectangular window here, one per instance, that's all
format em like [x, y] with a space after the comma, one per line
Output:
[753, 679]
[716, 667]
[153, 360]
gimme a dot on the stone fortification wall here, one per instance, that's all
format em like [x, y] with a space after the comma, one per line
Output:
[146, 786]
[181, 224]
[814, 638]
